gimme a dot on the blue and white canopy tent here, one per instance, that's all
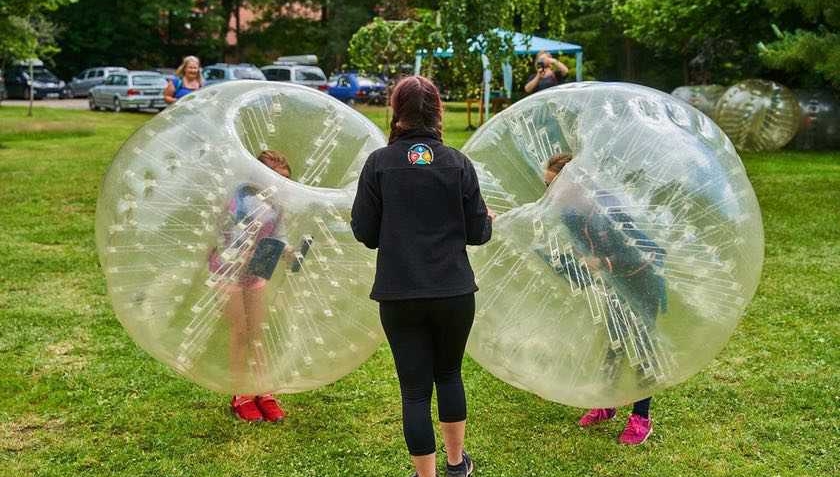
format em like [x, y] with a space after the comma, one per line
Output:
[522, 45]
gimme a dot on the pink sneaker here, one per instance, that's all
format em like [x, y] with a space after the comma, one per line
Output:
[637, 431]
[594, 416]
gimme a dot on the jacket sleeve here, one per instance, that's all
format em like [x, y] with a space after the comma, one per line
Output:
[479, 226]
[366, 216]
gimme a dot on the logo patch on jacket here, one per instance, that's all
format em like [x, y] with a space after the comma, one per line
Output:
[420, 154]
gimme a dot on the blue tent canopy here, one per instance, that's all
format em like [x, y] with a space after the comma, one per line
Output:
[522, 45]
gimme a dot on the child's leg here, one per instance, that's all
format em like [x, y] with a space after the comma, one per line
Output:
[238, 350]
[255, 315]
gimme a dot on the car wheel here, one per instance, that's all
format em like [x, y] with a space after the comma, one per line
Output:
[92, 103]
[117, 105]
[350, 102]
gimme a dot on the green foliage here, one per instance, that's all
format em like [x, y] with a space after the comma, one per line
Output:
[134, 33]
[274, 36]
[24, 30]
[807, 51]
[470, 27]
[388, 46]
[716, 38]
[383, 45]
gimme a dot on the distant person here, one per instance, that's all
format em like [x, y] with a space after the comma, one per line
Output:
[550, 72]
[187, 79]
[419, 203]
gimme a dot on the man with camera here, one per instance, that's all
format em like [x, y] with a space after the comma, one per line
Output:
[550, 72]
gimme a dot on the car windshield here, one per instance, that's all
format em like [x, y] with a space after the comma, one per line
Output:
[248, 73]
[149, 80]
[44, 75]
[309, 74]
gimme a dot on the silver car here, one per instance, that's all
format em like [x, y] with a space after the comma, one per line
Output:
[81, 84]
[129, 90]
[222, 72]
[306, 75]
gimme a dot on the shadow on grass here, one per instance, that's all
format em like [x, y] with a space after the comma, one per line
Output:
[45, 130]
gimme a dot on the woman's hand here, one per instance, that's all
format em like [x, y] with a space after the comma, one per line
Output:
[491, 214]
[169, 93]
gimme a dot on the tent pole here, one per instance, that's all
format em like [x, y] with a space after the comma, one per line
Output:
[486, 80]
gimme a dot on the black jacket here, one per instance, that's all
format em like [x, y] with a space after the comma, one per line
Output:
[419, 203]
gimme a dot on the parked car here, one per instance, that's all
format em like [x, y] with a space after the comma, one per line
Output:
[2, 86]
[81, 84]
[221, 72]
[168, 73]
[44, 84]
[352, 88]
[129, 90]
[306, 75]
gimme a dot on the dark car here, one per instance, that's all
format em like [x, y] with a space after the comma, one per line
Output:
[44, 84]
[352, 88]
[2, 86]
[221, 72]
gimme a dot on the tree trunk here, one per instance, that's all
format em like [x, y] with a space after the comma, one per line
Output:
[31, 86]
[629, 60]
[237, 6]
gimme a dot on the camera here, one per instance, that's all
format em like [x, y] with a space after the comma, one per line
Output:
[540, 64]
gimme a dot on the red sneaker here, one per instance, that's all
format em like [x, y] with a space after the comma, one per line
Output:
[637, 431]
[595, 416]
[245, 408]
[270, 408]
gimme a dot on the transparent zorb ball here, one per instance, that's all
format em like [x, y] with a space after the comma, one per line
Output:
[702, 97]
[238, 278]
[820, 124]
[630, 272]
[758, 115]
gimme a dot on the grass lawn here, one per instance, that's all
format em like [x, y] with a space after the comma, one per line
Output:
[77, 397]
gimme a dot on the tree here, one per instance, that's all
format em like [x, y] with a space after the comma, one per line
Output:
[715, 38]
[135, 33]
[384, 46]
[811, 50]
[26, 32]
[471, 26]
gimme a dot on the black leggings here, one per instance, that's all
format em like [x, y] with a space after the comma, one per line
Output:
[427, 338]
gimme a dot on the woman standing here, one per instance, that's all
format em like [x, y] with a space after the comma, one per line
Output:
[187, 79]
[419, 203]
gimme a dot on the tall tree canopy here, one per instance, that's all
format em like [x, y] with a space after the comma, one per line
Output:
[713, 37]
[25, 31]
[814, 47]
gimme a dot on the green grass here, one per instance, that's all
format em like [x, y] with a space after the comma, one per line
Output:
[77, 397]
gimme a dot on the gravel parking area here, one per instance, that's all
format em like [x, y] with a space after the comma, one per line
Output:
[78, 103]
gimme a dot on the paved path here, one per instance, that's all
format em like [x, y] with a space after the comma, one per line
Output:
[80, 103]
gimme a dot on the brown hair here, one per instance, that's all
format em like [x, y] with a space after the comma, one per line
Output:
[416, 104]
[278, 158]
[556, 162]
